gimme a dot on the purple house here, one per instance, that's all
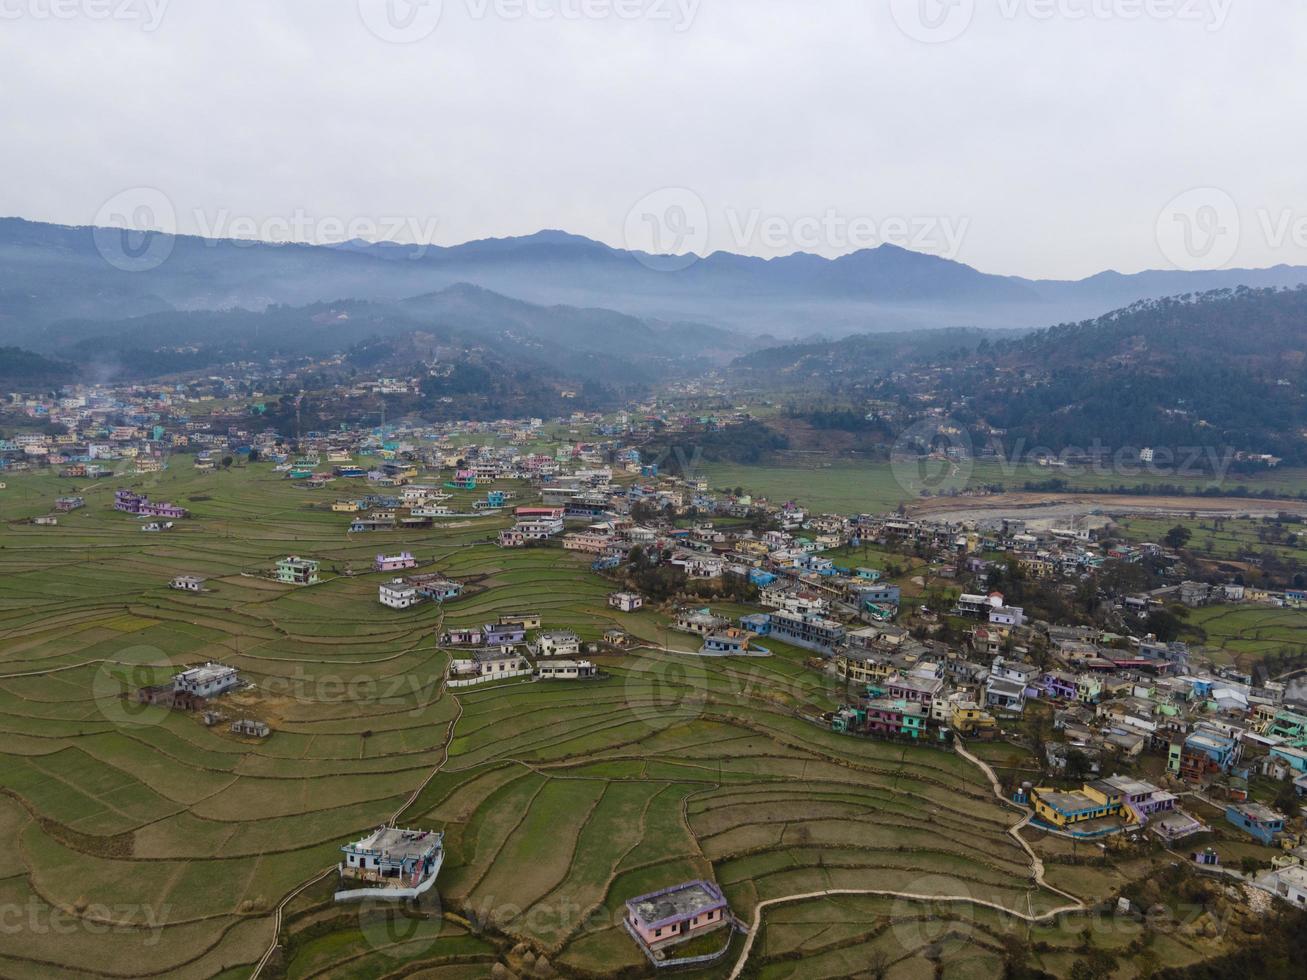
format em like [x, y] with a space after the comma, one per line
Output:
[676, 914]
[504, 635]
[1057, 685]
[135, 503]
[392, 563]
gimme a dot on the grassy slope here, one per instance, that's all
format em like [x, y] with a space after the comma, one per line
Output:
[558, 801]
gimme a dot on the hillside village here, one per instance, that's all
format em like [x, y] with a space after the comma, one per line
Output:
[945, 634]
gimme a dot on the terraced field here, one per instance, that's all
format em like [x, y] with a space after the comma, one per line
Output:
[136, 830]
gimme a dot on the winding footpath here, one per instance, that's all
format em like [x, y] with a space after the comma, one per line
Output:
[1036, 868]
[277, 913]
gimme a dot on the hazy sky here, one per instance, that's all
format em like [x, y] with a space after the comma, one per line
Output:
[1051, 138]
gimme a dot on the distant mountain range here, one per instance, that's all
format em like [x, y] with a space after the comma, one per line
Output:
[54, 272]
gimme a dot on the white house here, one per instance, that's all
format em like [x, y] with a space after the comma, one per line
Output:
[565, 670]
[1288, 884]
[398, 594]
[206, 681]
[1007, 616]
[626, 601]
[390, 863]
[558, 643]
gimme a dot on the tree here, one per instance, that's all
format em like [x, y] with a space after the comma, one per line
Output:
[226, 462]
[1078, 764]
[1178, 537]
[1164, 624]
[1287, 801]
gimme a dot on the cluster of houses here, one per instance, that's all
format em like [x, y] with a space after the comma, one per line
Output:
[411, 590]
[515, 646]
[197, 690]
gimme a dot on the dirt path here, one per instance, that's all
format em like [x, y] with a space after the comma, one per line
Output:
[1036, 867]
[449, 738]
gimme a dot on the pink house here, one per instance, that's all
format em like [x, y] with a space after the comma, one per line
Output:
[135, 503]
[677, 913]
[392, 563]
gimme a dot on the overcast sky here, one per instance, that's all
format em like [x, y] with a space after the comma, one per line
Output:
[1050, 138]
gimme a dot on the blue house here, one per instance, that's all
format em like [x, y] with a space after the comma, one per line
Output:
[1260, 822]
[760, 578]
[759, 623]
[1222, 750]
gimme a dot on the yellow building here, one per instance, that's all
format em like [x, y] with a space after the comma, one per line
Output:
[1061, 808]
[972, 720]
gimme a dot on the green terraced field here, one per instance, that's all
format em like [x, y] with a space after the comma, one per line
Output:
[146, 830]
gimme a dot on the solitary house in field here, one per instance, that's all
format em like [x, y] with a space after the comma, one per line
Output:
[187, 583]
[297, 571]
[390, 863]
[676, 914]
[626, 601]
[394, 563]
[135, 503]
[207, 680]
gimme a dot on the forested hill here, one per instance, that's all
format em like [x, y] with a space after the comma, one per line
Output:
[1222, 369]
[1253, 326]
[24, 368]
